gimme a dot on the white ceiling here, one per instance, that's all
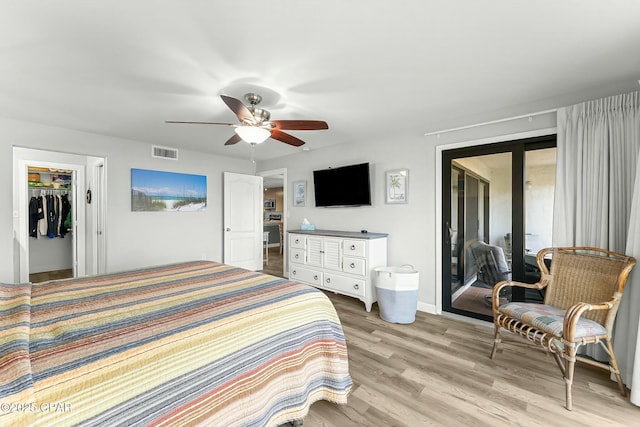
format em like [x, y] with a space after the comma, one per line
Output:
[371, 69]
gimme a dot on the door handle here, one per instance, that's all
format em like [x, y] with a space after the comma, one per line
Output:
[228, 229]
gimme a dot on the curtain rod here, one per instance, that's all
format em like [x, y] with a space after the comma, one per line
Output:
[491, 122]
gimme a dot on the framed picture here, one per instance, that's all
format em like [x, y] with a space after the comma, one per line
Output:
[397, 186]
[167, 191]
[299, 193]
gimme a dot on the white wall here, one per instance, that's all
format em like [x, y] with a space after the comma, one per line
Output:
[414, 228]
[409, 225]
[134, 239]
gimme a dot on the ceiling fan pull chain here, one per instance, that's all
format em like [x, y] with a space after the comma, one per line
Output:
[253, 147]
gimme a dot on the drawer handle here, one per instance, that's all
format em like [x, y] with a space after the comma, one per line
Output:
[352, 265]
[356, 286]
[297, 256]
[315, 277]
[294, 272]
[353, 247]
[328, 280]
[297, 241]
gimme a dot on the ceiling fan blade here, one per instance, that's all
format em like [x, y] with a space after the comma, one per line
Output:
[286, 138]
[199, 123]
[239, 109]
[300, 124]
[233, 140]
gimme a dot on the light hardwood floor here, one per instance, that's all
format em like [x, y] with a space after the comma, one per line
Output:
[437, 372]
[274, 266]
[50, 275]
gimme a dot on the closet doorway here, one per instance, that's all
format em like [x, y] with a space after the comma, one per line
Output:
[52, 229]
[47, 248]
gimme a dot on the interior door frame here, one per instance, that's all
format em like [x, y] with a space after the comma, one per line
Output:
[84, 223]
[78, 235]
[439, 231]
[285, 210]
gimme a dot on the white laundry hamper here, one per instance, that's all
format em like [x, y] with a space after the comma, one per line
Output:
[397, 293]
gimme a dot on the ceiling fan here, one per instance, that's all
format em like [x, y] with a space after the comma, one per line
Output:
[255, 126]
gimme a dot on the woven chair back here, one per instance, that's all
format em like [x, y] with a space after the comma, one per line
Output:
[584, 276]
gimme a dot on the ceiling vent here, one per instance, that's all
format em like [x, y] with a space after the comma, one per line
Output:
[164, 153]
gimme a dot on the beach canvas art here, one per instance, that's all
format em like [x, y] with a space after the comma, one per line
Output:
[167, 191]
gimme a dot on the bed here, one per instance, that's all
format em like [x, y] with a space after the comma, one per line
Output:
[189, 343]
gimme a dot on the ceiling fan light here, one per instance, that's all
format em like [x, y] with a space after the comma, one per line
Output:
[253, 134]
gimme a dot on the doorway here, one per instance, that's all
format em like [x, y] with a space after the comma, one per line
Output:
[497, 204]
[52, 174]
[274, 214]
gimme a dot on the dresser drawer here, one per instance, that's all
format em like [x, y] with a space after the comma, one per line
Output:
[296, 241]
[343, 284]
[354, 247]
[296, 255]
[354, 265]
[306, 275]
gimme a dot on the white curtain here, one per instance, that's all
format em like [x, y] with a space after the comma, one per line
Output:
[597, 200]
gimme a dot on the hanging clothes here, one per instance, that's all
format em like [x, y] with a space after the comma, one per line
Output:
[42, 221]
[51, 217]
[58, 209]
[65, 212]
[68, 221]
[35, 210]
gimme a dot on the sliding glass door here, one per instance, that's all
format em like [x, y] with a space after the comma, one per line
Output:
[497, 204]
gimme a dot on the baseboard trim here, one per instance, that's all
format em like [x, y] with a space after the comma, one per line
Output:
[427, 308]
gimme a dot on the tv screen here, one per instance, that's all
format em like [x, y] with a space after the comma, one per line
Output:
[343, 186]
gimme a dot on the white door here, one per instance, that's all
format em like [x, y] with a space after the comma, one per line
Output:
[243, 222]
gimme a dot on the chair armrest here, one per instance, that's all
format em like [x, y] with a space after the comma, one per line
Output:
[495, 294]
[573, 314]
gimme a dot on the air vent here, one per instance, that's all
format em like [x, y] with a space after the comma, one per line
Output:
[164, 153]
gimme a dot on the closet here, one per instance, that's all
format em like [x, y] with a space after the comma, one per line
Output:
[51, 240]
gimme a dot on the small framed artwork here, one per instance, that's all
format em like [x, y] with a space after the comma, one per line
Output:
[299, 193]
[397, 186]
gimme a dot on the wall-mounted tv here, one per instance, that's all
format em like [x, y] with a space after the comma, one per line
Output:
[342, 186]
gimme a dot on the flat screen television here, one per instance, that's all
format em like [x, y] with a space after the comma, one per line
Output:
[343, 186]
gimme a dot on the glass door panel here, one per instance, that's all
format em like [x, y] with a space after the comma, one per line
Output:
[540, 173]
[480, 219]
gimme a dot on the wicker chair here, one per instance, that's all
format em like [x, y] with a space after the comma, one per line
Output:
[491, 265]
[583, 291]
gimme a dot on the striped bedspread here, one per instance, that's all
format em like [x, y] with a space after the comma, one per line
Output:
[197, 343]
